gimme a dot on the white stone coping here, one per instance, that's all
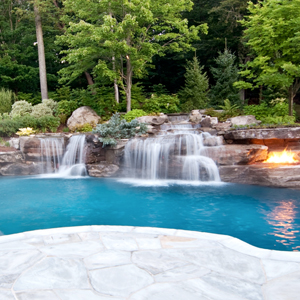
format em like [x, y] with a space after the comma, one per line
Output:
[141, 263]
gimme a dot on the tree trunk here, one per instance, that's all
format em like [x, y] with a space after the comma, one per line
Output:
[41, 54]
[89, 78]
[291, 100]
[242, 96]
[115, 82]
[128, 83]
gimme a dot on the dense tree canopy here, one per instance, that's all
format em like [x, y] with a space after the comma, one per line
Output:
[118, 39]
[272, 33]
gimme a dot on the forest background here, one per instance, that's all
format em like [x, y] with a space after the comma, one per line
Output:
[208, 58]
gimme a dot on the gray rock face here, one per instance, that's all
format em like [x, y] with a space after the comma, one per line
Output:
[238, 154]
[244, 120]
[102, 169]
[11, 157]
[81, 116]
[21, 169]
[262, 174]
[268, 133]
[209, 122]
[15, 142]
[154, 120]
[195, 116]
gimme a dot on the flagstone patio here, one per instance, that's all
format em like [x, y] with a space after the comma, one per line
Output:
[141, 263]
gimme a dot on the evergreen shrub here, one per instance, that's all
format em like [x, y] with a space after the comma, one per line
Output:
[118, 128]
[6, 99]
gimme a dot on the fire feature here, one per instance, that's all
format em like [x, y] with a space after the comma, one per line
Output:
[284, 157]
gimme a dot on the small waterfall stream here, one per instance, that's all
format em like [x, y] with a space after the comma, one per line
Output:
[179, 152]
[57, 164]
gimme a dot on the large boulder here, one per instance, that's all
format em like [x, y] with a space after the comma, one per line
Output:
[209, 122]
[244, 120]
[81, 116]
[154, 120]
[195, 116]
[238, 154]
[262, 174]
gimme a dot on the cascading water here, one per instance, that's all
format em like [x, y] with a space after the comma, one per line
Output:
[52, 150]
[178, 153]
[71, 163]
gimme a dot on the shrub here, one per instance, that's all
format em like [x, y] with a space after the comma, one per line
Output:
[118, 128]
[50, 103]
[6, 99]
[4, 116]
[87, 127]
[29, 97]
[48, 123]
[66, 107]
[274, 113]
[9, 127]
[25, 131]
[21, 108]
[163, 103]
[133, 114]
[41, 110]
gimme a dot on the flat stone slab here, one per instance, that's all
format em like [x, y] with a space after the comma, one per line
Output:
[142, 263]
[268, 133]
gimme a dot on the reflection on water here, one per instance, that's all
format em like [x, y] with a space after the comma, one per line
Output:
[282, 218]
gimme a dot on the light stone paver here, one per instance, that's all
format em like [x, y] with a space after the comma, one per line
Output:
[139, 263]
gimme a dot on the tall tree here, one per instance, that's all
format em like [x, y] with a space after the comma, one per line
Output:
[41, 52]
[194, 93]
[132, 31]
[225, 74]
[272, 33]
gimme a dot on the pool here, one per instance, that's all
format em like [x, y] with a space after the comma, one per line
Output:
[263, 217]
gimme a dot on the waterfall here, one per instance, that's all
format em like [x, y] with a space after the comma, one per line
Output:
[52, 150]
[60, 164]
[178, 153]
[73, 163]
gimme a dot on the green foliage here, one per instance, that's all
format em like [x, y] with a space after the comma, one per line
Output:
[275, 112]
[21, 108]
[7, 98]
[30, 97]
[83, 128]
[162, 104]
[66, 108]
[130, 35]
[194, 93]
[10, 126]
[50, 103]
[133, 114]
[230, 109]
[118, 128]
[66, 129]
[100, 99]
[272, 33]
[138, 98]
[41, 110]
[225, 74]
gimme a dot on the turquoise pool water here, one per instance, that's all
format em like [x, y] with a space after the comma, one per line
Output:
[264, 217]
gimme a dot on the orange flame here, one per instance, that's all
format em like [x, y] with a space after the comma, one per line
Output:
[286, 157]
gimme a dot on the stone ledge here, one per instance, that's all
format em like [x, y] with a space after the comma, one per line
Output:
[124, 262]
[263, 134]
